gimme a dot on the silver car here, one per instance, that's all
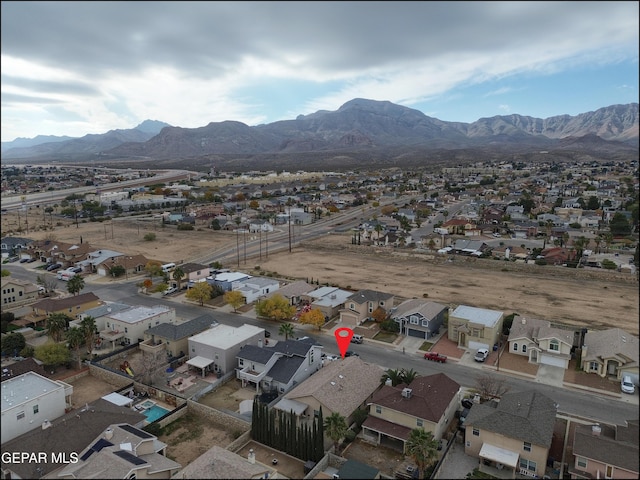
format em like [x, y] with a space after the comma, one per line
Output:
[481, 355]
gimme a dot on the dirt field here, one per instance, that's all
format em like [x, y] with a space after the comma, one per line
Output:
[553, 293]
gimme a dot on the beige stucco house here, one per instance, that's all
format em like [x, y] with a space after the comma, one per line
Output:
[16, 293]
[361, 305]
[540, 342]
[428, 402]
[513, 435]
[474, 328]
[611, 352]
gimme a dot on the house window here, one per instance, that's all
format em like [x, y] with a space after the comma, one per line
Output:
[316, 413]
[425, 323]
[476, 432]
[352, 306]
[20, 415]
[608, 472]
[515, 347]
[528, 464]
[419, 422]
[468, 444]
[581, 462]
[382, 304]
[108, 325]
[413, 320]
[526, 447]
[36, 409]
[241, 362]
[554, 345]
[524, 349]
[126, 330]
[593, 366]
[378, 409]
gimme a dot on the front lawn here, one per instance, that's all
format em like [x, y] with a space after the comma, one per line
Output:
[383, 336]
[426, 346]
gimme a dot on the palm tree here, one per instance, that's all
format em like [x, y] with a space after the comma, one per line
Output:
[75, 338]
[408, 376]
[75, 285]
[89, 330]
[422, 447]
[394, 375]
[56, 326]
[286, 329]
[178, 275]
[335, 426]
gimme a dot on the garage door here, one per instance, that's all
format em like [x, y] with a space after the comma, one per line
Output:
[476, 345]
[416, 333]
[554, 361]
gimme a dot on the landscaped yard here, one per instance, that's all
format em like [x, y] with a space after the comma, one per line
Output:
[383, 336]
[426, 346]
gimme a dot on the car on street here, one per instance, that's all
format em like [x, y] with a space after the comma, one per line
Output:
[350, 353]
[481, 355]
[170, 290]
[435, 357]
[357, 339]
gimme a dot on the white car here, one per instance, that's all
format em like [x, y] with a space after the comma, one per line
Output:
[626, 385]
[481, 355]
[170, 290]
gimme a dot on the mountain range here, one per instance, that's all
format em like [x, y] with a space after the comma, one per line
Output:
[358, 127]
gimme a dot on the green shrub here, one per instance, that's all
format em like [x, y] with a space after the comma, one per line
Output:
[149, 237]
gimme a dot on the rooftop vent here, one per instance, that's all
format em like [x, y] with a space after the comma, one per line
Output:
[595, 430]
[406, 392]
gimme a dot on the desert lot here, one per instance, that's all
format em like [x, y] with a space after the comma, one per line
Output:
[590, 298]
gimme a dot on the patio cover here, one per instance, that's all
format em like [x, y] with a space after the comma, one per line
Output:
[287, 405]
[499, 455]
[200, 362]
[117, 399]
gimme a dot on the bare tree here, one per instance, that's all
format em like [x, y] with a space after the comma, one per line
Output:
[490, 386]
[149, 368]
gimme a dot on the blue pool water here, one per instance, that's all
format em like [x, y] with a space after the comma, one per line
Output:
[155, 413]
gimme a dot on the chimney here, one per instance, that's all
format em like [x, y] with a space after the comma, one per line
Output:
[108, 433]
[524, 321]
[406, 392]
[251, 457]
[595, 430]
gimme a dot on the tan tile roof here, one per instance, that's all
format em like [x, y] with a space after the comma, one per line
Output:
[57, 304]
[342, 386]
[608, 343]
[218, 462]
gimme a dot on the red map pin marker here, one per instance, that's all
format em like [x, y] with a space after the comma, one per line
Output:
[343, 339]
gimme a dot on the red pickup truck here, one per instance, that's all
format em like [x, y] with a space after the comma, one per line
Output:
[436, 357]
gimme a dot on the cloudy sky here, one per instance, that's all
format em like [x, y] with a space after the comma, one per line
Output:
[73, 68]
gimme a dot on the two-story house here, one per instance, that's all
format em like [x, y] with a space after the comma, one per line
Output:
[193, 272]
[513, 435]
[72, 306]
[428, 403]
[473, 328]
[216, 348]
[128, 326]
[16, 293]
[278, 367]
[603, 451]
[173, 338]
[542, 343]
[361, 305]
[419, 318]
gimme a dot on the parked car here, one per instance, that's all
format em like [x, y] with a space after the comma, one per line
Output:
[24, 260]
[357, 339]
[53, 267]
[467, 403]
[481, 355]
[74, 269]
[627, 385]
[350, 353]
[170, 290]
[32, 259]
[436, 357]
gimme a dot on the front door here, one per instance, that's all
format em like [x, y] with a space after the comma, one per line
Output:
[534, 356]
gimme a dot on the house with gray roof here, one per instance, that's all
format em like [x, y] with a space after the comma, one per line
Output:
[278, 367]
[541, 342]
[70, 434]
[419, 318]
[513, 435]
[122, 451]
[220, 463]
[328, 300]
[173, 338]
[361, 305]
[604, 451]
[610, 353]
[255, 288]
[10, 246]
[294, 292]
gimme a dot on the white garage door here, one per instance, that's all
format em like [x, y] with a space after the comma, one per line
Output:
[476, 345]
[554, 361]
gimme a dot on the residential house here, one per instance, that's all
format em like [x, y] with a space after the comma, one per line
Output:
[418, 318]
[540, 342]
[294, 292]
[128, 326]
[174, 337]
[70, 434]
[427, 402]
[474, 328]
[220, 463]
[329, 300]
[278, 367]
[16, 293]
[260, 226]
[228, 281]
[458, 226]
[12, 246]
[255, 288]
[603, 451]
[509, 252]
[122, 451]
[29, 364]
[193, 272]
[99, 261]
[339, 387]
[513, 435]
[216, 348]
[360, 306]
[70, 254]
[28, 400]
[71, 306]
[132, 264]
[610, 353]
[558, 255]
[99, 314]
[469, 247]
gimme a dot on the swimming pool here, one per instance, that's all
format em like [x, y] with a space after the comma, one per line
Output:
[147, 404]
[155, 413]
